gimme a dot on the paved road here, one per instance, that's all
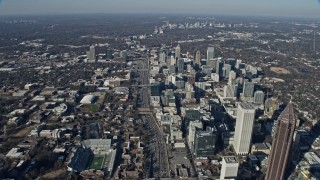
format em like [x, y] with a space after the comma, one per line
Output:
[159, 163]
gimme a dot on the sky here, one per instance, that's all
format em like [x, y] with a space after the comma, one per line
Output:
[297, 8]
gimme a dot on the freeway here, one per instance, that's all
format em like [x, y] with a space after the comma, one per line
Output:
[159, 162]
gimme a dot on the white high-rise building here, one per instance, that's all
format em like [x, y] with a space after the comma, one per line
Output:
[178, 51]
[230, 91]
[232, 78]
[210, 53]
[91, 54]
[244, 126]
[229, 168]
[193, 126]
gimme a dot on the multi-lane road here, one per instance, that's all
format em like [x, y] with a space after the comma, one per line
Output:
[159, 162]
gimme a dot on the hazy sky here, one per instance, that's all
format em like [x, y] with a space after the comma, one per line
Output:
[309, 8]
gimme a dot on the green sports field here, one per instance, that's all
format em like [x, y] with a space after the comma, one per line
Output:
[97, 162]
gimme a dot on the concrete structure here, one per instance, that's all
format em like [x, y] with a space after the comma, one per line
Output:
[281, 144]
[180, 65]
[258, 97]
[178, 51]
[229, 168]
[193, 126]
[244, 127]
[197, 59]
[210, 53]
[91, 54]
[205, 142]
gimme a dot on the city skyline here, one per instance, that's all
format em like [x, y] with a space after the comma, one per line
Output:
[296, 8]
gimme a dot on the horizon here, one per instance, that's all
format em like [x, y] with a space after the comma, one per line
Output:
[273, 8]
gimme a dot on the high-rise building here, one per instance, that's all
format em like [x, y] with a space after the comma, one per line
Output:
[232, 78]
[180, 64]
[248, 89]
[193, 127]
[226, 70]
[205, 142]
[162, 57]
[91, 54]
[230, 91]
[123, 54]
[281, 144]
[219, 67]
[232, 62]
[258, 97]
[198, 58]
[229, 168]
[210, 53]
[244, 127]
[212, 63]
[108, 54]
[178, 51]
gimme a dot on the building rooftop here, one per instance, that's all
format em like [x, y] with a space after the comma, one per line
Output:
[246, 105]
[230, 159]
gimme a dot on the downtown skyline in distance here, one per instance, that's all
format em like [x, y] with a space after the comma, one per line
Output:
[288, 8]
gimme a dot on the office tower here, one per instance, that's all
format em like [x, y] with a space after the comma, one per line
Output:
[243, 130]
[198, 58]
[226, 70]
[239, 61]
[205, 142]
[212, 63]
[232, 78]
[206, 70]
[108, 54]
[155, 89]
[258, 97]
[232, 62]
[193, 127]
[281, 144]
[180, 65]
[162, 57]
[172, 69]
[219, 67]
[91, 54]
[210, 53]
[178, 51]
[230, 91]
[248, 89]
[123, 54]
[229, 168]
[171, 61]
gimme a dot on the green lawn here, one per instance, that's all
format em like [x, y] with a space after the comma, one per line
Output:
[97, 162]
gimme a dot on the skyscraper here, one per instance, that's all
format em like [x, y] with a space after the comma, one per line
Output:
[198, 58]
[244, 126]
[108, 54]
[210, 53]
[205, 142]
[229, 168]
[258, 97]
[180, 65]
[162, 56]
[248, 88]
[281, 144]
[91, 54]
[178, 51]
[232, 78]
